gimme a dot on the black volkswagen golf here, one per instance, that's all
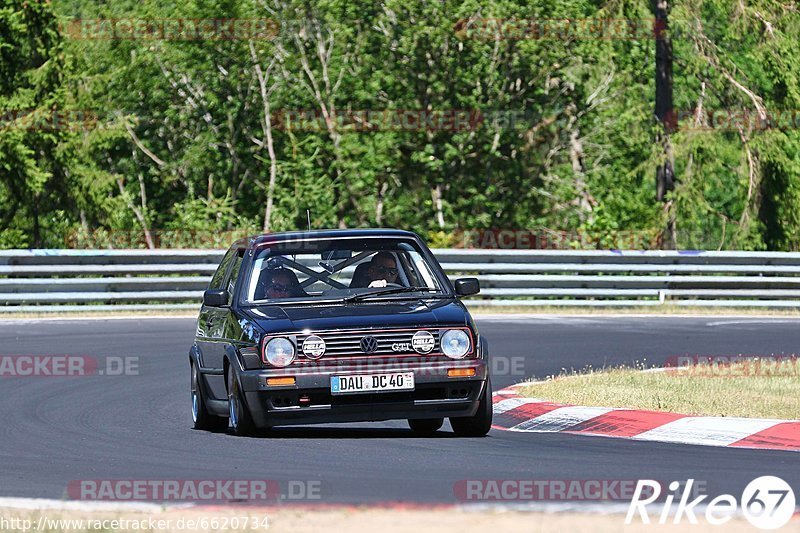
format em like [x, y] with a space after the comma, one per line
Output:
[337, 326]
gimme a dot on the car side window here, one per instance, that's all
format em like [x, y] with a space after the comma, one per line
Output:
[219, 276]
[237, 266]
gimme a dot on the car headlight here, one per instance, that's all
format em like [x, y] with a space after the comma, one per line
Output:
[279, 352]
[455, 343]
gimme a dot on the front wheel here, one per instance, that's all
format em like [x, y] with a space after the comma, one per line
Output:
[480, 423]
[240, 420]
[201, 418]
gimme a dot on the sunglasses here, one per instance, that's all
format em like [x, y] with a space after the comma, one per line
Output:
[386, 270]
[280, 288]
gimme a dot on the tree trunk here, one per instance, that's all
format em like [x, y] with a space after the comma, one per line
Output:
[138, 213]
[665, 112]
[263, 79]
[379, 204]
[436, 194]
[37, 232]
[273, 173]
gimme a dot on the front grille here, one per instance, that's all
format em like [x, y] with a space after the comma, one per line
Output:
[345, 344]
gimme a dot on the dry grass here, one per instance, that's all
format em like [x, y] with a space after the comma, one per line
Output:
[741, 389]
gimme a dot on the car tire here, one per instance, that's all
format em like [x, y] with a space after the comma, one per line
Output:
[201, 418]
[425, 425]
[480, 423]
[239, 416]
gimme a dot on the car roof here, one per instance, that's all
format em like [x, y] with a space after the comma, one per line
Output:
[256, 240]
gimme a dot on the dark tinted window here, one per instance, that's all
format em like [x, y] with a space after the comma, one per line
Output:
[222, 269]
[237, 266]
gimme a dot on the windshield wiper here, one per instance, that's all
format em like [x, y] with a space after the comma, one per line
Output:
[395, 290]
[284, 302]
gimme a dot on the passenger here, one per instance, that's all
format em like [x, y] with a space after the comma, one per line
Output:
[279, 283]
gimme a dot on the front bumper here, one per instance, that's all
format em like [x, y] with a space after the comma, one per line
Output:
[309, 400]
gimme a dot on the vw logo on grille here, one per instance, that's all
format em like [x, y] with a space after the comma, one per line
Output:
[369, 344]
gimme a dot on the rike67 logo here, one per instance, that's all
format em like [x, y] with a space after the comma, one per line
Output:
[767, 502]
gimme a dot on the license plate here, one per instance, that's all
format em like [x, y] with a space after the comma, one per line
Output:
[372, 383]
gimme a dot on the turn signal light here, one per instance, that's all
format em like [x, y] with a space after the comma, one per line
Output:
[461, 372]
[280, 381]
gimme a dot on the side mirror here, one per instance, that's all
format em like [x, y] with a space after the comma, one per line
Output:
[215, 298]
[467, 286]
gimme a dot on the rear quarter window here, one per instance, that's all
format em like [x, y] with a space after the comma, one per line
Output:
[237, 266]
[219, 276]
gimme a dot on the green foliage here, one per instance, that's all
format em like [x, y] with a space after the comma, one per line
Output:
[561, 132]
[35, 180]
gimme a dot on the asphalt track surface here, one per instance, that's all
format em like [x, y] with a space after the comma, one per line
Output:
[59, 429]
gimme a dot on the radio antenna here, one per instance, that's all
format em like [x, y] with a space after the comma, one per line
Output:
[308, 216]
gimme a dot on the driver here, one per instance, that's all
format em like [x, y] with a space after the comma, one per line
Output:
[382, 270]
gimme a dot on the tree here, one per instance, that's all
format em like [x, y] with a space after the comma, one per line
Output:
[550, 130]
[35, 123]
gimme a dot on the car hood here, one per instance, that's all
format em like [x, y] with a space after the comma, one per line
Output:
[362, 315]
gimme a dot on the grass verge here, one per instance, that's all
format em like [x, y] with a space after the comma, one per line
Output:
[742, 389]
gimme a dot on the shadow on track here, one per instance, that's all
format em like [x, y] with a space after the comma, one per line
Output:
[322, 432]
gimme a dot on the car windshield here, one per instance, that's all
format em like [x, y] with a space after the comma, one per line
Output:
[343, 269]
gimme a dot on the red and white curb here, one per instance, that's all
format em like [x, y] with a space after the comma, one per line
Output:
[515, 413]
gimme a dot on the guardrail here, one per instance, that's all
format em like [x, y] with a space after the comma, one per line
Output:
[66, 280]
